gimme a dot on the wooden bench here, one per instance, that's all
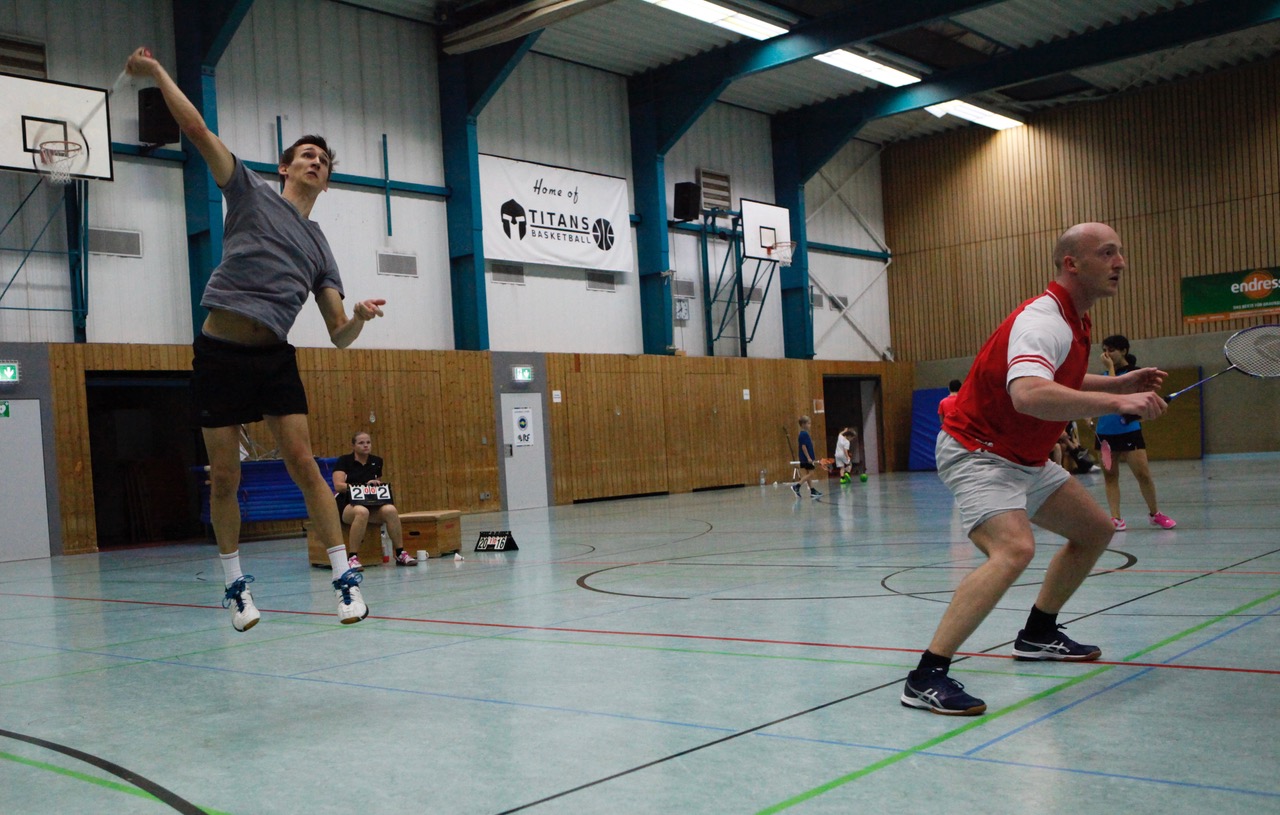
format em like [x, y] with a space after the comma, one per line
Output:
[370, 552]
[437, 532]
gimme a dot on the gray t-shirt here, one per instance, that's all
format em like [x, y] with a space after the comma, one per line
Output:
[272, 257]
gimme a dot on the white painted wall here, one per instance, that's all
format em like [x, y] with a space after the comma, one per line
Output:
[351, 75]
[566, 115]
[86, 42]
[844, 207]
[735, 141]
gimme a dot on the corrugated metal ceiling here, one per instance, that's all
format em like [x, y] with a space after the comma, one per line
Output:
[629, 37]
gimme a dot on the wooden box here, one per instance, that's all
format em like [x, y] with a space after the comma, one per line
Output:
[370, 552]
[438, 532]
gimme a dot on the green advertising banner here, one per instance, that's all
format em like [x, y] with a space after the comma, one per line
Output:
[1253, 292]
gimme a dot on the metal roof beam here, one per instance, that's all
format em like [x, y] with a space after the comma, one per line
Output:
[815, 134]
[683, 91]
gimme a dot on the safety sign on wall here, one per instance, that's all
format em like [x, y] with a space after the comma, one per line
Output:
[522, 427]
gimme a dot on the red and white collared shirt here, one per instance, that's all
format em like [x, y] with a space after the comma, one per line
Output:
[1043, 337]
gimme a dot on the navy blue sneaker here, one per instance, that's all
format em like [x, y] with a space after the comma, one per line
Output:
[814, 493]
[1055, 646]
[796, 489]
[934, 691]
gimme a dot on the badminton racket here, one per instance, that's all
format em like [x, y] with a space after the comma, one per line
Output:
[1253, 351]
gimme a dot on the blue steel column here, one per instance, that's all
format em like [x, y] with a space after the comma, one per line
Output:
[652, 247]
[467, 83]
[202, 31]
[793, 280]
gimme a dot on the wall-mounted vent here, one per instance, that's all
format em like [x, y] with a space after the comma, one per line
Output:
[816, 299]
[755, 294]
[397, 265]
[839, 302]
[717, 191]
[512, 273]
[683, 288]
[122, 242]
[600, 281]
[23, 58]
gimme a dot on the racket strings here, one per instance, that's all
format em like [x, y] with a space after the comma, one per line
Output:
[1256, 351]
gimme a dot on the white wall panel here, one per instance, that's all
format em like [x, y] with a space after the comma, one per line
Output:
[351, 75]
[147, 299]
[33, 264]
[558, 113]
[418, 311]
[344, 73]
[734, 141]
[86, 42]
[865, 283]
[844, 207]
[554, 112]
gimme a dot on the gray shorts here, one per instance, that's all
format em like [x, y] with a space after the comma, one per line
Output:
[985, 485]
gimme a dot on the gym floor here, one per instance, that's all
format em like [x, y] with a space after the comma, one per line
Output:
[736, 651]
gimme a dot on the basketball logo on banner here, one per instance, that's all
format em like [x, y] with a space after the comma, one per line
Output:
[496, 541]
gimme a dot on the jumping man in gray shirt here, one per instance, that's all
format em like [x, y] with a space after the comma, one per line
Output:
[274, 256]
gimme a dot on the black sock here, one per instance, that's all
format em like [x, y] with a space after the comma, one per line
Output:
[1039, 622]
[929, 660]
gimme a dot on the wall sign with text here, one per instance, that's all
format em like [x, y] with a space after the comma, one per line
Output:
[1250, 293]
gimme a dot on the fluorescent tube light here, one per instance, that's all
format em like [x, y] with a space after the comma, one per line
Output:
[991, 119]
[871, 69]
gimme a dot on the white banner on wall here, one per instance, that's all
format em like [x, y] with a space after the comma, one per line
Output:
[536, 213]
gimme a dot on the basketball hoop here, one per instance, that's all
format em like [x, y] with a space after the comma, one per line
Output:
[58, 159]
[781, 252]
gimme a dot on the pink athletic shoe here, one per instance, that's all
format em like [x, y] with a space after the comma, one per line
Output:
[1119, 524]
[1163, 521]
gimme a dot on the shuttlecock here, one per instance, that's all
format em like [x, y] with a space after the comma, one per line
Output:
[458, 556]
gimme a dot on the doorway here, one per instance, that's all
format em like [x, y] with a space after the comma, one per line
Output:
[855, 401]
[525, 462]
[143, 444]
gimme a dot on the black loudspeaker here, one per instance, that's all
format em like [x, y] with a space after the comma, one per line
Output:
[156, 124]
[688, 201]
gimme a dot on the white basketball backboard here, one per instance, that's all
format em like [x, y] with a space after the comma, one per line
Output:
[33, 111]
[763, 225]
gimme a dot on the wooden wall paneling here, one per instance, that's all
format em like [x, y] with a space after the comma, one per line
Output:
[1202, 155]
[560, 426]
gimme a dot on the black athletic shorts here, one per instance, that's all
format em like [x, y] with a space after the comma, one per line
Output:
[238, 384]
[807, 465]
[1122, 442]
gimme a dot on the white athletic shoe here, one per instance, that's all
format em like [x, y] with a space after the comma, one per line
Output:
[244, 614]
[351, 606]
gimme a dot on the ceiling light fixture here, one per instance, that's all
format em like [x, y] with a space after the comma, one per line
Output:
[982, 116]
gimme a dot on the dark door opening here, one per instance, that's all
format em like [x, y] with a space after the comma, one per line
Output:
[143, 443]
[854, 401]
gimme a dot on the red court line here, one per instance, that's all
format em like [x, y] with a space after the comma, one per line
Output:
[657, 635]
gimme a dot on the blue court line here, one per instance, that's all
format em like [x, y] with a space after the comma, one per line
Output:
[1115, 685]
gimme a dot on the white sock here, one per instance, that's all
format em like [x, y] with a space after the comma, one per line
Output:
[338, 559]
[231, 567]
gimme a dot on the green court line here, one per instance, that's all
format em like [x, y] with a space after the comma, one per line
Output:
[990, 717]
[115, 786]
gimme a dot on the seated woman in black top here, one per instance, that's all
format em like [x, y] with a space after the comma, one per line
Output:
[362, 467]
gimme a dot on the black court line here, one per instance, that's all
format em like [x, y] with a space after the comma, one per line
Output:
[864, 692]
[161, 794]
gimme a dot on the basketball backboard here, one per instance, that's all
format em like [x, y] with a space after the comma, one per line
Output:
[36, 111]
[763, 225]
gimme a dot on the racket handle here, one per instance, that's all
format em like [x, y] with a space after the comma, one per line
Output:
[1133, 417]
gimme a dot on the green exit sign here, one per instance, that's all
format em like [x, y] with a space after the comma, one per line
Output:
[521, 373]
[4, 410]
[10, 371]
